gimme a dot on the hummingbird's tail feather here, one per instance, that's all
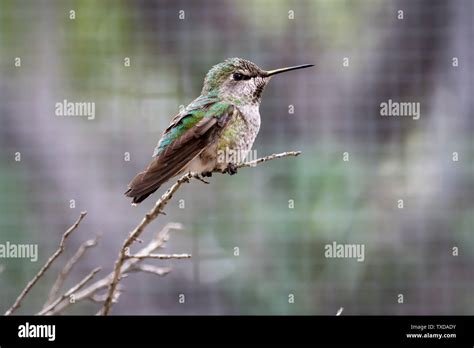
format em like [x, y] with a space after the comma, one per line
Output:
[134, 189]
[147, 182]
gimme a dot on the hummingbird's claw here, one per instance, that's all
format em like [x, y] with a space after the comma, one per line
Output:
[231, 169]
[200, 178]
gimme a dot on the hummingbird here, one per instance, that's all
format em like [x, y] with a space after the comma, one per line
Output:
[224, 119]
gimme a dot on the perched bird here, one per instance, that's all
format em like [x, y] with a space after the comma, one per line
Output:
[224, 118]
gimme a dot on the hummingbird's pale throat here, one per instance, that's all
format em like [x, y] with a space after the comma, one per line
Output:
[224, 118]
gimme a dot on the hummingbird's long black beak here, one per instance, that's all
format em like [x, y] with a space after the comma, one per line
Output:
[282, 70]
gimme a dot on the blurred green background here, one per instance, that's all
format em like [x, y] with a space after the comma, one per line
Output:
[336, 109]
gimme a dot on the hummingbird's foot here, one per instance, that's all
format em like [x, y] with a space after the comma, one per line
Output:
[206, 174]
[231, 169]
[200, 178]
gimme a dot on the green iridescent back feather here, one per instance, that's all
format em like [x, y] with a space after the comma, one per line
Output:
[204, 106]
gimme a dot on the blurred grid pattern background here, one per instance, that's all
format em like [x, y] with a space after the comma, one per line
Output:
[336, 109]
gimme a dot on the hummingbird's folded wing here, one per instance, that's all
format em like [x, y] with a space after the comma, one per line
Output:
[186, 137]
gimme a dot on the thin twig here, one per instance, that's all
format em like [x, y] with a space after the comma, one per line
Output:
[161, 271]
[48, 263]
[160, 256]
[153, 214]
[67, 269]
[268, 158]
[201, 179]
[71, 291]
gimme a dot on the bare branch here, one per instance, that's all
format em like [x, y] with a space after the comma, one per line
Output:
[46, 266]
[98, 298]
[160, 256]
[131, 265]
[161, 271]
[67, 269]
[135, 234]
[71, 291]
[153, 214]
[125, 263]
[268, 158]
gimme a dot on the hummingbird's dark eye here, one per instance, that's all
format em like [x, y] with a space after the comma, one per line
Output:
[237, 76]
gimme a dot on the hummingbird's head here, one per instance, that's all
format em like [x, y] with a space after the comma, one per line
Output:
[240, 80]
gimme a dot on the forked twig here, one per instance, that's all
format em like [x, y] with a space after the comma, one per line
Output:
[46, 266]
